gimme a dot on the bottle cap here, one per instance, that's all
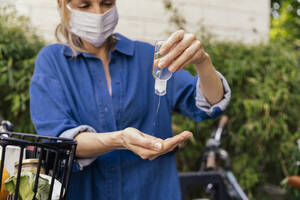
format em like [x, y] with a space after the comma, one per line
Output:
[160, 87]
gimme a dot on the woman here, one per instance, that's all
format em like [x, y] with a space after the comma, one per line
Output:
[98, 88]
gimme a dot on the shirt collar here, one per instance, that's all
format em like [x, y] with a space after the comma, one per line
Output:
[124, 46]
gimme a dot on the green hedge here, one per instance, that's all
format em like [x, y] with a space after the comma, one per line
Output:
[264, 113]
[19, 46]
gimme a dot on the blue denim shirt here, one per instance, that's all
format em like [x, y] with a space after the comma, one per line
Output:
[68, 92]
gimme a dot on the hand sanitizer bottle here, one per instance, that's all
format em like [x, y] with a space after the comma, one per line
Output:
[161, 75]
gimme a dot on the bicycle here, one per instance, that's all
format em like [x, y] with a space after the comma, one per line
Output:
[219, 181]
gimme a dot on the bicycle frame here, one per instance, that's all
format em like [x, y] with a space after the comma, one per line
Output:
[222, 180]
[189, 179]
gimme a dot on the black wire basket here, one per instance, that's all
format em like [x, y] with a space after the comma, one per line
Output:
[54, 159]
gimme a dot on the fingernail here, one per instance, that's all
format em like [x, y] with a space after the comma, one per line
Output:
[157, 146]
[170, 69]
[160, 63]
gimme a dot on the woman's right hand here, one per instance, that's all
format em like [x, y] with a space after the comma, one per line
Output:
[149, 147]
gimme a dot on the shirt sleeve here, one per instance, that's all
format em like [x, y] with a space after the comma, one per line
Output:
[187, 98]
[71, 134]
[204, 105]
[49, 108]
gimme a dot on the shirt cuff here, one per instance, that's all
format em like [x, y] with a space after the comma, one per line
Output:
[71, 134]
[203, 104]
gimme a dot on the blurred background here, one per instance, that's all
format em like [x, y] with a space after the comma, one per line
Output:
[147, 20]
[255, 44]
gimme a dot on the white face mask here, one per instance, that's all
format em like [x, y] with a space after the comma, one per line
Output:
[94, 28]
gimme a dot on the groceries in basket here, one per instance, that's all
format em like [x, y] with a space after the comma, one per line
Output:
[4, 193]
[27, 181]
[34, 166]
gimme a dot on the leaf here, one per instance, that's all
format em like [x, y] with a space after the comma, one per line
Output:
[26, 187]
[16, 103]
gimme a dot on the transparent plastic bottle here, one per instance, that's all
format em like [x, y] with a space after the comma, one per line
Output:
[161, 75]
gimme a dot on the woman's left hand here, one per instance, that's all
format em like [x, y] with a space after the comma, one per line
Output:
[180, 50]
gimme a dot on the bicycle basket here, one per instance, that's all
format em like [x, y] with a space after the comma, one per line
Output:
[50, 160]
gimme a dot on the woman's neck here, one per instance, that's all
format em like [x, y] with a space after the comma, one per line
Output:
[101, 52]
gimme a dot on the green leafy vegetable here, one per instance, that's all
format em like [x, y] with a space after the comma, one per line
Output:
[27, 180]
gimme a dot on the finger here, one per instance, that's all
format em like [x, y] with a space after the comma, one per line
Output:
[171, 148]
[186, 63]
[187, 134]
[199, 56]
[166, 150]
[145, 141]
[196, 55]
[183, 136]
[158, 141]
[154, 157]
[151, 137]
[149, 144]
[191, 60]
[187, 55]
[155, 139]
[178, 49]
[142, 152]
[170, 142]
[200, 51]
[172, 40]
[155, 63]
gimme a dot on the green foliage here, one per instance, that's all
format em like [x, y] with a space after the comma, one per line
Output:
[264, 113]
[285, 20]
[264, 109]
[19, 46]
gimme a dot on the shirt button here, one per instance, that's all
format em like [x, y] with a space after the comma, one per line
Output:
[105, 108]
[118, 82]
[113, 169]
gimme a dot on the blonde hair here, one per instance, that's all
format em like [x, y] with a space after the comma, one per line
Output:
[63, 33]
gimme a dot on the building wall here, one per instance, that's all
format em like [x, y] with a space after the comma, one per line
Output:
[237, 20]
